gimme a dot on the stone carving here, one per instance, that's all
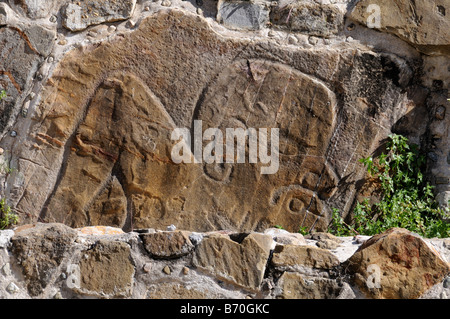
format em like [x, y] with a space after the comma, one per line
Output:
[262, 94]
[99, 145]
[120, 162]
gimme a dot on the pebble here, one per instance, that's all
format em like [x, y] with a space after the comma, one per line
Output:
[62, 42]
[292, 39]
[171, 227]
[1, 151]
[195, 238]
[447, 282]
[166, 3]
[185, 270]
[13, 133]
[199, 11]
[58, 296]
[112, 28]
[167, 270]
[313, 40]
[327, 244]
[351, 26]
[130, 24]
[440, 113]
[6, 269]
[12, 288]
[147, 267]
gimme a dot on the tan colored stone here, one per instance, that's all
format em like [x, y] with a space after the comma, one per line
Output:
[284, 237]
[421, 23]
[167, 244]
[295, 286]
[176, 291]
[396, 264]
[291, 257]
[167, 270]
[323, 236]
[100, 230]
[242, 264]
[327, 244]
[40, 250]
[110, 207]
[325, 240]
[106, 116]
[107, 270]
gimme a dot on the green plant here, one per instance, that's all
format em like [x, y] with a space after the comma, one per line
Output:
[7, 217]
[304, 230]
[407, 200]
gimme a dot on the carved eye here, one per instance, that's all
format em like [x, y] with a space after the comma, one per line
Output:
[296, 205]
[219, 172]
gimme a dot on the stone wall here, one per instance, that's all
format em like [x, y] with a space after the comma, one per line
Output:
[96, 87]
[56, 261]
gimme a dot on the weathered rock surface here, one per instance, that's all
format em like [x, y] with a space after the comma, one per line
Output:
[24, 47]
[396, 264]
[40, 250]
[110, 169]
[107, 270]
[309, 17]
[167, 244]
[80, 15]
[421, 23]
[284, 237]
[240, 263]
[295, 286]
[291, 257]
[243, 15]
[55, 261]
[95, 89]
[35, 9]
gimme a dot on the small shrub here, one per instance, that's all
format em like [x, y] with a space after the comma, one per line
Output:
[7, 217]
[407, 200]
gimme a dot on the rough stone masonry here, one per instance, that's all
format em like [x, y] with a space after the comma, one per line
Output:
[95, 88]
[51, 260]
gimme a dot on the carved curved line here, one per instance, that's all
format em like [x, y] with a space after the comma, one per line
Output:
[85, 111]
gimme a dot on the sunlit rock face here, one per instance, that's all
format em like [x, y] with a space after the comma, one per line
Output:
[94, 141]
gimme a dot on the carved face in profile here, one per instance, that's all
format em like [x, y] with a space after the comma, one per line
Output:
[119, 171]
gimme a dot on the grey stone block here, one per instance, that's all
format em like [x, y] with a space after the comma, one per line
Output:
[244, 15]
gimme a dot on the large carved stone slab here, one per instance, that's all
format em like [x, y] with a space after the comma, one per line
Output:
[99, 145]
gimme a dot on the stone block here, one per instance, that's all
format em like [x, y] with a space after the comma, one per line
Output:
[242, 264]
[243, 15]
